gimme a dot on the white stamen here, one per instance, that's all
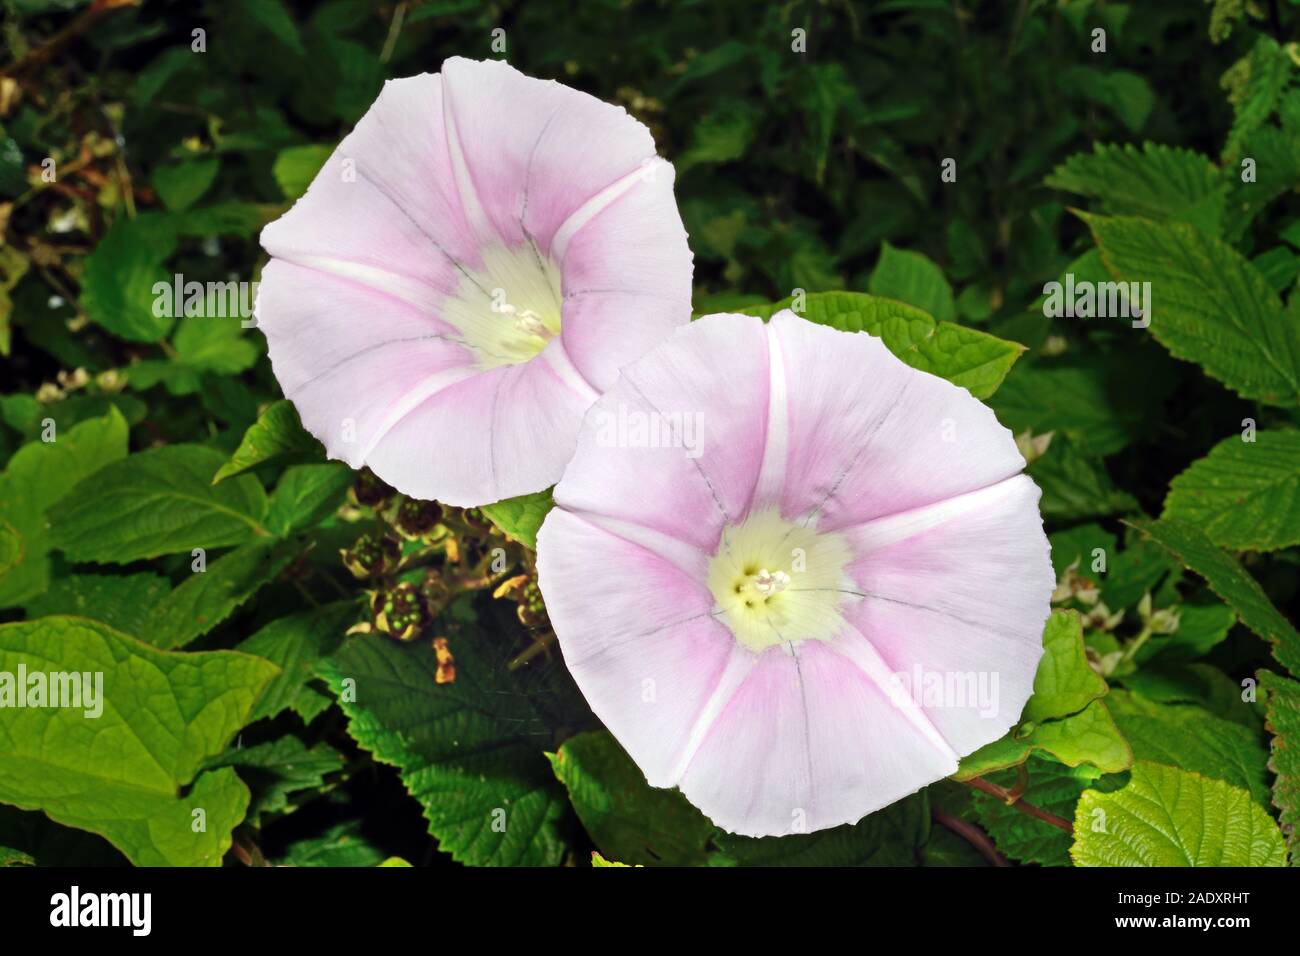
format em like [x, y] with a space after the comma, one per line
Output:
[771, 582]
[530, 323]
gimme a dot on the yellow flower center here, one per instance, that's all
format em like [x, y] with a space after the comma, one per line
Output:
[775, 581]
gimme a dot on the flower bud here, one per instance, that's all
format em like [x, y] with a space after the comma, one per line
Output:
[372, 556]
[400, 612]
[416, 519]
[370, 491]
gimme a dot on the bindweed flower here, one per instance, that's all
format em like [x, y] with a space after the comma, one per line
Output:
[466, 274]
[820, 602]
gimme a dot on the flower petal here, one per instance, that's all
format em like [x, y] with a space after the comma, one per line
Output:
[958, 593]
[535, 151]
[647, 656]
[504, 432]
[348, 388]
[807, 742]
[870, 436]
[681, 428]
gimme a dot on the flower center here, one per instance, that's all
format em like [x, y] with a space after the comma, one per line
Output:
[775, 581]
[509, 309]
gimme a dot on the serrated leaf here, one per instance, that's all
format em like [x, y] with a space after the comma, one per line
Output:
[206, 598]
[122, 774]
[1169, 817]
[158, 501]
[1230, 581]
[1243, 495]
[341, 845]
[912, 278]
[1190, 737]
[624, 816]
[1156, 182]
[470, 751]
[520, 517]
[39, 475]
[1210, 306]
[972, 359]
[1282, 697]
[276, 770]
[296, 644]
[277, 433]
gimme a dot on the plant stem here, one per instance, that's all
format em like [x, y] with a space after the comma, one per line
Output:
[971, 834]
[1007, 797]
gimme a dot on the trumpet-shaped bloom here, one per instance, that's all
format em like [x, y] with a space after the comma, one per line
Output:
[466, 274]
[795, 577]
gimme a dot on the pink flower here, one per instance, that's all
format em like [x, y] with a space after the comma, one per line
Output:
[795, 577]
[466, 274]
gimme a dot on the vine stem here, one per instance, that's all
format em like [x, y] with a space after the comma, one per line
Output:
[971, 834]
[1011, 799]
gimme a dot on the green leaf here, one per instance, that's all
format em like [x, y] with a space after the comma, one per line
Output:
[1211, 306]
[206, 598]
[1192, 738]
[209, 342]
[306, 496]
[1075, 486]
[129, 773]
[1128, 95]
[1169, 817]
[276, 433]
[1064, 717]
[975, 360]
[1268, 69]
[1053, 787]
[1156, 182]
[117, 287]
[912, 278]
[39, 475]
[296, 644]
[627, 818]
[274, 18]
[122, 601]
[1064, 683]
[1282, 697]
[1100, 406]
[274, 771]
[296, 166]
[1243, 495]
[340, 845]
[182, 185]
[1230, 581]
[893, 836]
[520, 518]
[1201, 626]
[159, 501]
[470, 751]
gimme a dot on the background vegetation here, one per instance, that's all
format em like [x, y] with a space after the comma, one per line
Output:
[1172, 156]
